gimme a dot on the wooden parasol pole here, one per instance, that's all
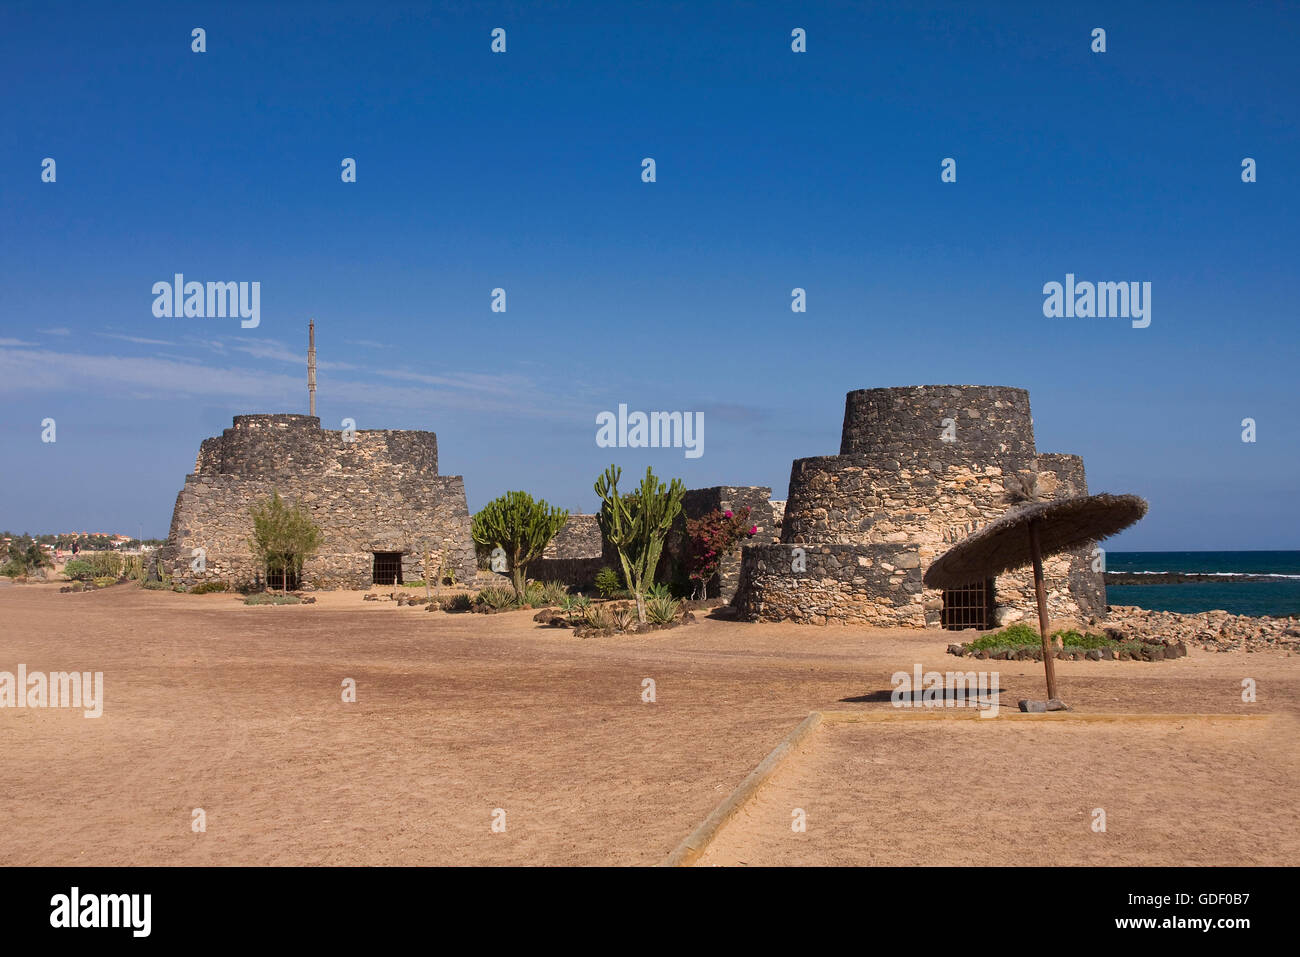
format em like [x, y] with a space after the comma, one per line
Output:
[1040, 592]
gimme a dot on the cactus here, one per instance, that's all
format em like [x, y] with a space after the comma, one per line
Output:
[636, 525]
[522, 527]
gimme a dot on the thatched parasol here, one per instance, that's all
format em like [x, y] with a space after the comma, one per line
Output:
[1024, 535]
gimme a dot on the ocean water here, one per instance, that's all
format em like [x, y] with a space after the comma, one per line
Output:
[1278, 596]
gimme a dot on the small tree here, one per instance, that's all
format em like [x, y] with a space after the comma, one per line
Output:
[284, 537]
[636, 525]
[520, 526]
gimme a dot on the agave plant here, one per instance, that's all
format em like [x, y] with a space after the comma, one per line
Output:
[662, 609]
[574, 602]
[597, 617]
[554, 593]
[497, 598]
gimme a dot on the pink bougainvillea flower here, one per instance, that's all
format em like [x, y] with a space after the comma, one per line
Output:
[753, 529]
[727, 513]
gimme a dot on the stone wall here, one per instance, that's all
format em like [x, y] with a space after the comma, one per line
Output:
[579, 551]
[897, 497]
[575, 554]
[378, 492]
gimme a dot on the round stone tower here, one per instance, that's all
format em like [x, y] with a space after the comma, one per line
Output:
[919, 469]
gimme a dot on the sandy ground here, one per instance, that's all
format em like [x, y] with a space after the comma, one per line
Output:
[1182, 792]
[237, 710]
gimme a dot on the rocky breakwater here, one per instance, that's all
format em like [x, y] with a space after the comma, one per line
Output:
[1211, 630]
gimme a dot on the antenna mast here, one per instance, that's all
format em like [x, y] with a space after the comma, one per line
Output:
[311, 367]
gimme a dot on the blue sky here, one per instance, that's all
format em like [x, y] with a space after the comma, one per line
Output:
[774, 170]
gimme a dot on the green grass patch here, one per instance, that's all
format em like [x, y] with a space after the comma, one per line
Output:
[204, 588]
[1021, 636]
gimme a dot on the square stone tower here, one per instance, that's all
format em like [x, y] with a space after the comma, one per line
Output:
[376, 496]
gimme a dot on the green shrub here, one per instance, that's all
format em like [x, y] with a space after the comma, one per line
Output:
[1083, 642]
[103, 581]
[204, 588]
[79, 570]
[271, 598]
[608, 582]
[461, 601]
[94, 565]
[658, 590]
[662, 609]
[13, 569]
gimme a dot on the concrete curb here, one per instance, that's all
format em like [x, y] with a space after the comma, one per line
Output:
[695, 844]
[968, 714]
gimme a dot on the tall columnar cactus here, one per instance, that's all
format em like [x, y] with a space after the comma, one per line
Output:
[636, 525]
[520, 526]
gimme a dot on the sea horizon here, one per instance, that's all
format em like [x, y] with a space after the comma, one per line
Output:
[1239, 591]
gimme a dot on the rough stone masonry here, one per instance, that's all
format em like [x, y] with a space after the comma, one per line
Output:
[369, 491]
[919, 469]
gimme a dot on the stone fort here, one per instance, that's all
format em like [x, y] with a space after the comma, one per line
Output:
[376, 495]
[919, 469]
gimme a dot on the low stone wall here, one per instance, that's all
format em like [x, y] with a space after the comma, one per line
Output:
[878, 585]
[575, 554]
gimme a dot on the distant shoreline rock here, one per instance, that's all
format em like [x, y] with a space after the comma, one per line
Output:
[1178, 578]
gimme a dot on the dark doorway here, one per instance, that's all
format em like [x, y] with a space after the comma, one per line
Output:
[968, 606]
[276, 579]
[388, 568]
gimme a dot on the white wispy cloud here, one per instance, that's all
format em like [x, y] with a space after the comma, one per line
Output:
[15, 342]
[138, 340]
[174, 378]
